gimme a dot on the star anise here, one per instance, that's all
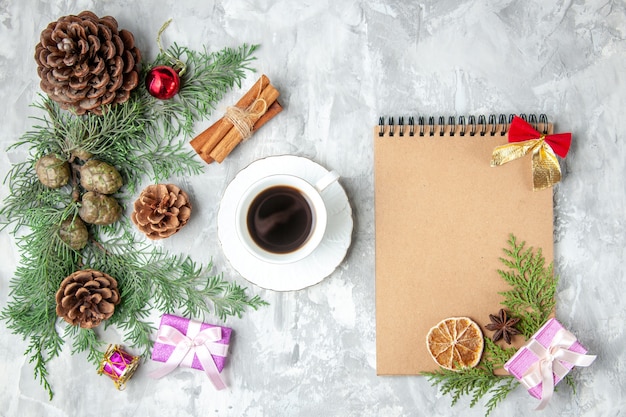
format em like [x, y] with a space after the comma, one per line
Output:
[504, 327]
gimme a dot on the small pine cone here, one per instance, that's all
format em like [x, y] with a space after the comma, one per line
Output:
[99, 209]
[85, 62]
[100, 177]
[74, 233]
[161, 210]
[82, 154]
[52, 171]
[87, 297]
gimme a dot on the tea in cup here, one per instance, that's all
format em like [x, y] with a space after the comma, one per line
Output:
[282, 218]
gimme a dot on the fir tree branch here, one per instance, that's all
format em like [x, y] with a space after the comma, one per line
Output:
[499, 393]
[138, 138]
[228, 299]
[474, 382]
[137, 330]
[532, 297]
[85, 340]
[495, 355]
[38, 347]
[29, 201]
[174, 281]
[221, 70]
[31, 311]
[569, 380]
[165, 161]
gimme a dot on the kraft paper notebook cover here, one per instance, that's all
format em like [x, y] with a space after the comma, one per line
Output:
[443, 217]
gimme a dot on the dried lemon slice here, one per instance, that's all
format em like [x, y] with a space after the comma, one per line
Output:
[455, 343]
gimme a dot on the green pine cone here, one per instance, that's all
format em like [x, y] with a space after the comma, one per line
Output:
[52, 171]
[100, 177]
[99, 209]
[82, 154]
[74, 233]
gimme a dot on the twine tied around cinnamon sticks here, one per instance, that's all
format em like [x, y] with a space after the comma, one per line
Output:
[242, 119]
[251, 112]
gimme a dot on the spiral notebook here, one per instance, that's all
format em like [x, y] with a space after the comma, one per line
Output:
[443, 217]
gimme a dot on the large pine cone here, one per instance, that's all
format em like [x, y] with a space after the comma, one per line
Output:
[87, 297]
[84, 62]
[161, 210]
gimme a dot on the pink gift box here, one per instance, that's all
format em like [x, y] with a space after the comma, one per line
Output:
[524, 358]
[161, 352]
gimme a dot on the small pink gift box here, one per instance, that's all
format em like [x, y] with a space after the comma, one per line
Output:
[546, 359]
[191, 344]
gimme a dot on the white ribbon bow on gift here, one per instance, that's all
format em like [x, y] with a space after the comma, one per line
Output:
[549, 362]
[199, 343]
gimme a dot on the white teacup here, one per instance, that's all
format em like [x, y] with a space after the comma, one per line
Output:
[282, 218]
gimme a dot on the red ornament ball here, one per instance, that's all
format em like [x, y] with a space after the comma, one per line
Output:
[163, 82]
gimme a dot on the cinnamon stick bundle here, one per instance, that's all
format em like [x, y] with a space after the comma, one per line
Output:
[253, 110]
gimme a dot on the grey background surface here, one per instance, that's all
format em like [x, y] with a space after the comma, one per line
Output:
[339, 65]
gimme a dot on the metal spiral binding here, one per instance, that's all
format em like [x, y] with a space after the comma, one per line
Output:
[490, 125]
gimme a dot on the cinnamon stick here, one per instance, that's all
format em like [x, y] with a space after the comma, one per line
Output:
[224, 148]
[271, 111]
[233, 137]
[199, 142]
[204, 143]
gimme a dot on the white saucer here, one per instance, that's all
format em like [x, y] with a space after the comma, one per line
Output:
[308, 271]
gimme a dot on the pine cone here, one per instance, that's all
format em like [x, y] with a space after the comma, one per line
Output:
[87, 297]
[52, 171]
[84, 62]
[74, 233]
[99, 209]
[100, 177]
[161, 210]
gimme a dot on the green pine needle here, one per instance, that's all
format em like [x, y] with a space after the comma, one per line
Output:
[496, 356]
[532, 297]
[473, 382]
[140, 138]
[85, 340]
[499, 392]
[41, 349]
